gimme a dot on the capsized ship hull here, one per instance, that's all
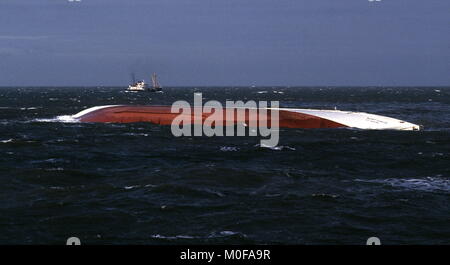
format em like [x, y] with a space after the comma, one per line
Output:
[288, 118]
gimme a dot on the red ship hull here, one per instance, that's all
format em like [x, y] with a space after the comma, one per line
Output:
[162, 115]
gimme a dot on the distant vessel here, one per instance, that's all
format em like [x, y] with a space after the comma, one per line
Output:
[137, 85]
[142, 86]
[155, 84]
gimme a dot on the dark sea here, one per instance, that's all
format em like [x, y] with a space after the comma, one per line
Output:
[138, 184]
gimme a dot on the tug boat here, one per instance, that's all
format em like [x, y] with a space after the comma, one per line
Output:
[287, 117]
[137, 85]
[142, 86]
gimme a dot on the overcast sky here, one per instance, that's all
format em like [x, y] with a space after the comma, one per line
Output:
[225, 42]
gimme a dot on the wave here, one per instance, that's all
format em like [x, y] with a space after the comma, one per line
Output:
[136, 134]
[325, 195]
[229, 149]
[30, 108]
[226, 233]
[63, 119]
[158, 236]
[21, 108]
[421, 184]
[276, 148]
[220, 234]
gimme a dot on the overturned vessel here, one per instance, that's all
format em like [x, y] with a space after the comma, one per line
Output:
[287, 117]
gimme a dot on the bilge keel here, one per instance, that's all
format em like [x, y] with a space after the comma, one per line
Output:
[288, 117]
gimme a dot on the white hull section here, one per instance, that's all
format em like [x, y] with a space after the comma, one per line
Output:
[89, 110]
[359, 120]
[133, 88]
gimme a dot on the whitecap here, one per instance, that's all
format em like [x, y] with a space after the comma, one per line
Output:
[30, 108]
[158, 236]
[276, 148]
[55, 169]
[325, 195]
[131, 187]
[56, 188]
[226, 233]
[54, 160]
[136, 134]
[63, 119]
[229, 149]
[7, 141]
[437, 183]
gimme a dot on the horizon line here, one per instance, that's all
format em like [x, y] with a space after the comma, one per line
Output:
[209, 86]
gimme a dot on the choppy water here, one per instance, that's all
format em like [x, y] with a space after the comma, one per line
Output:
[137, 184]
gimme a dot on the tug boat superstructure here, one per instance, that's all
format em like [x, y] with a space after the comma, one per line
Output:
[142, 86]
[137, 86]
